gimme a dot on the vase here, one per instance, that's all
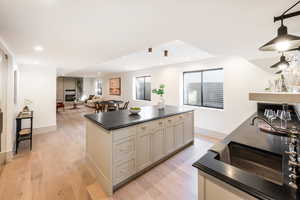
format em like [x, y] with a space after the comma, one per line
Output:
[161, 103]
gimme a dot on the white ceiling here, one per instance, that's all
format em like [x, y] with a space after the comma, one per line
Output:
[93, 35]
[178, 52]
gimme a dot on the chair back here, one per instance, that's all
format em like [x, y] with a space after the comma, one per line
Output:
[98, 107]
[125, 105]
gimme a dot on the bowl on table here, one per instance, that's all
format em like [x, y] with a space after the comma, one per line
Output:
[134, 110]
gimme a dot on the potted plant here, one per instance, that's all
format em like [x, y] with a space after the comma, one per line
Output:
[160, 91]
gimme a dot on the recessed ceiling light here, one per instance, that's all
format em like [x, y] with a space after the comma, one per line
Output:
[38, 48]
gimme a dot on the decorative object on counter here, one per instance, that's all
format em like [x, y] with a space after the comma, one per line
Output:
[135, 110]
[160, 91]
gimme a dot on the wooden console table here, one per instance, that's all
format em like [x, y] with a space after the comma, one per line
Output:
[24, 133]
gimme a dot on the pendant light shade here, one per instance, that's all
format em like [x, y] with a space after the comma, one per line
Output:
[282, 64]
[283, 41]
[166, 53]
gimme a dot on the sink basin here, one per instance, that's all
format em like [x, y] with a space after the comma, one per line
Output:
[258, 162]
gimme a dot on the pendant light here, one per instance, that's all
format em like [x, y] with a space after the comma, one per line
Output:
[282, 64]
[166, 53]
[283, 41]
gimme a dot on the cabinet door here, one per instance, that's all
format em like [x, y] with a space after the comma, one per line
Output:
[188, 128]
[178, 135]
[143, 151]
[124, 149]
[157, 144]
[123, 170]
[169, 139]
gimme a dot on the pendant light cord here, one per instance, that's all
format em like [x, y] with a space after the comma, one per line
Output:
[290, 8]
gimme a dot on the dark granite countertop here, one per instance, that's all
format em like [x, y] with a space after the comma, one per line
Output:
[258, 187]
[122, 118]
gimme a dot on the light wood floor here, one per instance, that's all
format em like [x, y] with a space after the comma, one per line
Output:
[56, 170]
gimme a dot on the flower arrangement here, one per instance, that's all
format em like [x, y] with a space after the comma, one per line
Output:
[160, 91]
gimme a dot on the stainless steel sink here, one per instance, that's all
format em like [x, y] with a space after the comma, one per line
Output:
[258, 162]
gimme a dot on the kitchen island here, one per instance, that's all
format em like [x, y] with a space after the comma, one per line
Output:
[121, 146]
[248, 164]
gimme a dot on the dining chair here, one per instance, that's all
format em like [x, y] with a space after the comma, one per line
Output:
[125, 106]
[99, 107]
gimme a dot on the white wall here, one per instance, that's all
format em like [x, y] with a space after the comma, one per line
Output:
[240, 77]
[38, 84]
[89, 86]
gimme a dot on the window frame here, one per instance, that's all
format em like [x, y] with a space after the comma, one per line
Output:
[135, 82]
[197, 71]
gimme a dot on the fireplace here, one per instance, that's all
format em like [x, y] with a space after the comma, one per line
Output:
[70, 95]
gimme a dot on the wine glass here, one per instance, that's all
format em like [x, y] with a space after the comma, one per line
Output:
[271, 115]
[278, 113]
[284, 118]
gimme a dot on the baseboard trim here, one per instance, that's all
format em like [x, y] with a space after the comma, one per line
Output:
[42, 130]
[210, 133]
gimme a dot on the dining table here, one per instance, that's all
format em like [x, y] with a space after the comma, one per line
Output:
[111, 102]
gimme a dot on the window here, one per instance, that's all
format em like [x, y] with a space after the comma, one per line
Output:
[143, 88]
[204, 88]
[98, 87]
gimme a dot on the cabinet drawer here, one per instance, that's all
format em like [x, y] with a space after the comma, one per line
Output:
[144, 128]
[124, 149]
[158, 124]
[123, 133]
[170, 121]
[179, 118]
[188, 115]
[123, 170]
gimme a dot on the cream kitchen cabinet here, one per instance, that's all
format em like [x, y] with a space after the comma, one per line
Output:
[178, 135]
[188, 127]
[143, 154]
[118, 155]
[157, 144]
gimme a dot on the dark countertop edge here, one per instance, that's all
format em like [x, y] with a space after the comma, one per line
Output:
[233, 182]
[209, 164]
[88, 116]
